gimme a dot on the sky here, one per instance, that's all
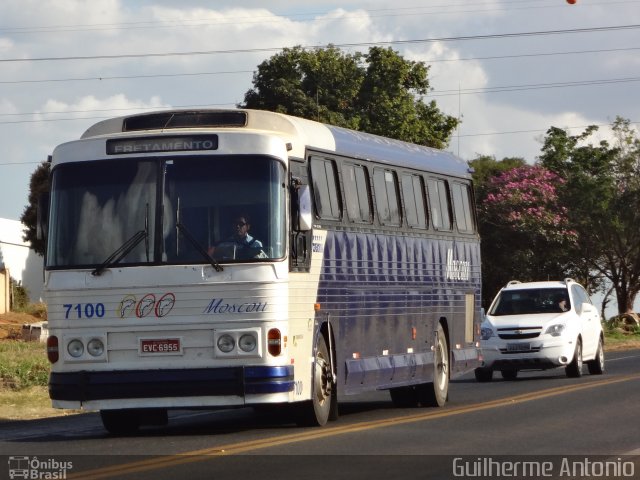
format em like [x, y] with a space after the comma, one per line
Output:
[510, 69]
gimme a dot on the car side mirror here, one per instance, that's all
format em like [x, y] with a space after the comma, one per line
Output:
[587, 308]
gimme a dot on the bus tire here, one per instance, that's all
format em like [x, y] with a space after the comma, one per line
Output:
[404, 397]
[483, 374]
[435, 394]
[318, 410]
[120, 422]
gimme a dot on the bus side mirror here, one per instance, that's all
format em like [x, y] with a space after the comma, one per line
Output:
[42, 216]
[305, 217]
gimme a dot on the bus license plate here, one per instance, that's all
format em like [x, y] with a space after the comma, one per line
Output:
[518, 347]
[160, 346]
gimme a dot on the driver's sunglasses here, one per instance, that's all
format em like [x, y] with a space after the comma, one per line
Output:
[240, 224]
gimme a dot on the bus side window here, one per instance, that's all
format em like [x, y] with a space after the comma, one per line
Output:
[462, 207]
[414, 203]
[386, 193]
[323, 178]
[356, 192]
[440, 207]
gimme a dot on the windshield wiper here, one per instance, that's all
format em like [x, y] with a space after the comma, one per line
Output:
[198, 247]
[127, 246]
[121, 252]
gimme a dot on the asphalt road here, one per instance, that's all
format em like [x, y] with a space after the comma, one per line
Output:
[543, 418]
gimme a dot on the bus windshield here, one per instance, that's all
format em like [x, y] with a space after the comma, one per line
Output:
[166, 211]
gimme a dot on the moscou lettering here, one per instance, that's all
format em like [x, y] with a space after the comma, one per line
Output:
[218, 306]
[457, 269]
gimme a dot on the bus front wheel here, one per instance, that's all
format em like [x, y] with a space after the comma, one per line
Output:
[323, 404]
[128, 421]
[120, 422]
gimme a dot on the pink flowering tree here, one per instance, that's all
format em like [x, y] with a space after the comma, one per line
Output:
[525, 230]
[525, 199]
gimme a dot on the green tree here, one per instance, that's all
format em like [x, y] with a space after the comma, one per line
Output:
[602, 189]
[38, 185]
[379, 92]
[485, 167]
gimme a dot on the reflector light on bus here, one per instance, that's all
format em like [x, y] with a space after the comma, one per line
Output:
[274, 342]
[52, 349]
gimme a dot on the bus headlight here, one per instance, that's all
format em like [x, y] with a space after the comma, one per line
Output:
[247, 342]
[226, 343]
[95, 347]
[75, 348]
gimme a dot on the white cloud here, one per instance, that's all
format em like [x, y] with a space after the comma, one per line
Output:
[62, 28]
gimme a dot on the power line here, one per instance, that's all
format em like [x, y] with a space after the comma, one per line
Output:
[434, 93]
[370, 13]
[513, 132]
[342, 45]
[130, 109]
[124, 77]
[233, 72]
[532, 86]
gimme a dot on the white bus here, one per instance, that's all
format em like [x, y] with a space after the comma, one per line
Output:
[361, 270]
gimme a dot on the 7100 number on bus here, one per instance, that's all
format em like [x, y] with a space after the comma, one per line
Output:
[83, 310]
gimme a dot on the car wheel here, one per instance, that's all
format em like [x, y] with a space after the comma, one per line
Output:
[483, 374]
[574, 369]
[596, 366]
[509, 374]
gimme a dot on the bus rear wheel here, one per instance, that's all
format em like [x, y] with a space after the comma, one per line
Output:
[435, 394]
[323, 404]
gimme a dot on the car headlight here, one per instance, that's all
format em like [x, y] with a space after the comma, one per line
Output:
[226, 343]
[486, 333]
[555, 330]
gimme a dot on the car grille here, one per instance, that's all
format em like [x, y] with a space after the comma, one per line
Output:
[523, 350]
[519, 333]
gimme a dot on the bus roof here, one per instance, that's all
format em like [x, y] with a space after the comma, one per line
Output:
[300, 133]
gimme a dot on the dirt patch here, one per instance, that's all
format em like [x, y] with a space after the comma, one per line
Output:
[11, 324]
[619, 345]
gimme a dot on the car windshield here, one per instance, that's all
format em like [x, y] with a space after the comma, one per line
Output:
[166, 211]
[531, 301]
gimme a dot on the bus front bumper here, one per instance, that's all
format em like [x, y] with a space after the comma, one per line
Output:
[186, 387]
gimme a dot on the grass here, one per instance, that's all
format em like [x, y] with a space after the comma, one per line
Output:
[24, 373]
[616, 338]
[23, 364]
